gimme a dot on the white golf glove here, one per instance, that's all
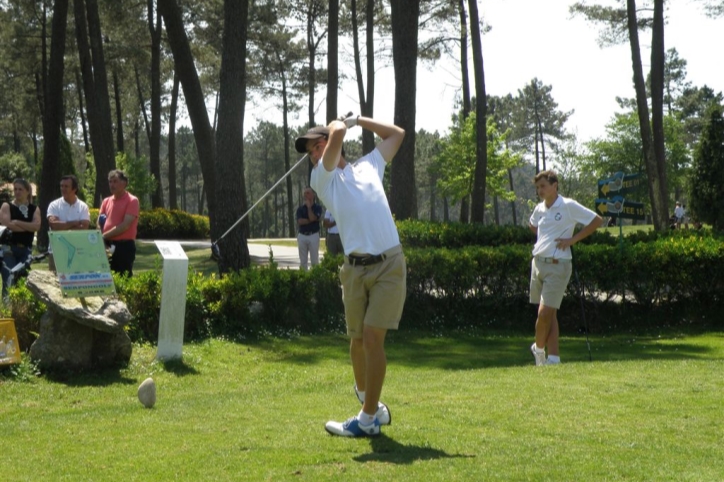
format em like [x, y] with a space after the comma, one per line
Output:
[350, 120]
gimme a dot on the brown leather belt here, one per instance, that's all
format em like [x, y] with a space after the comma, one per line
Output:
[370, 259]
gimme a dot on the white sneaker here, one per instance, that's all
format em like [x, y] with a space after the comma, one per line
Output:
[383, 412]
[539, 356]
[552, 362]
[352, 428]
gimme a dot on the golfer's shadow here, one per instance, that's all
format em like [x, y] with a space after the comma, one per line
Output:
[385, 449]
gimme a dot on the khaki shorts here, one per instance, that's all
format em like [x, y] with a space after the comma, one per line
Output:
[548, 282]
[374, 295]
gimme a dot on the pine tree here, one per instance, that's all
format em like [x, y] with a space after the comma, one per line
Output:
[707, 179]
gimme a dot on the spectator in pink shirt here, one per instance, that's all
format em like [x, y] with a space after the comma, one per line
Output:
[120, 214]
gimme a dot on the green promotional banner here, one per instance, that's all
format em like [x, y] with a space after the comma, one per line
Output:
[81, 263]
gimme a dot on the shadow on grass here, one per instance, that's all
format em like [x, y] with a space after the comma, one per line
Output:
[466, 351]
[179, 368]
[385, 449]
[102, 378]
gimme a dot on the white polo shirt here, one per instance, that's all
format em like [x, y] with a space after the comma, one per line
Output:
[78, 211]
[65, 212]
[328, 217]
[556, 222]
[356, 196]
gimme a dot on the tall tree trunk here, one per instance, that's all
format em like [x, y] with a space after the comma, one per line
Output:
[657, 108]
[537, 152]
[155, 139]
[405, 17]
[230, 183]
[172, 194]
[539, 126]
[333, 61]
[195, 102]
[496, 210]
[312, 51]
[477, 213]
[464, 75]
[136, 140]
[81, 110]
[142, 103]
[433, 197]
[512, 203]
[467, 102]
[119, 114]
[42, 86]
[368, 137]
[644, 125]
[290, 221]
[365, 102]
[52, 116]
[465, 210]
[106, 160]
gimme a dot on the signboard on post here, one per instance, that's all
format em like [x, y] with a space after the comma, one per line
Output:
[173, 300]
[618, 207]
[81, 263]
[619, 184]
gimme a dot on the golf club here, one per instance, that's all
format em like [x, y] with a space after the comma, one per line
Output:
[581, 295]
[215, 252]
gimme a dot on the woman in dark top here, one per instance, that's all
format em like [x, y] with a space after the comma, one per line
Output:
[22, 218]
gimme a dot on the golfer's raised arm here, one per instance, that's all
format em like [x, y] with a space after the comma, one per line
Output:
[333, 149]
[390, 134]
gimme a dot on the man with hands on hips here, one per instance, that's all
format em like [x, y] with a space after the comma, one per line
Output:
[553, 221]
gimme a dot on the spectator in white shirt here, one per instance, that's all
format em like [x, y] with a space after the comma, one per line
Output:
[68, 211]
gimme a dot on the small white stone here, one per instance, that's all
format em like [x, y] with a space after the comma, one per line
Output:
[147, 393]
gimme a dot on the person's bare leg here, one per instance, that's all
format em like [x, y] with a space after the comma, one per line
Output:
[543, 324]
[357, 355]
[376, 366]
[552, 341]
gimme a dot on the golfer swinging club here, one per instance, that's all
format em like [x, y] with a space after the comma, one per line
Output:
[553, 221]
[373, 276]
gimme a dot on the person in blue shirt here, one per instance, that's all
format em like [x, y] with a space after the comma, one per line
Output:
[308, 216]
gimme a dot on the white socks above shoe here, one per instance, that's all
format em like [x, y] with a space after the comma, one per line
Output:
[365, 419]
[539, 350]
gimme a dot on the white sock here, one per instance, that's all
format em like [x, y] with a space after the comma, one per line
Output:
[540, 350]
[554, 358]
[364, 418]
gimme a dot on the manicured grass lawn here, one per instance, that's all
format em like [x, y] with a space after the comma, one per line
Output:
[468, 407]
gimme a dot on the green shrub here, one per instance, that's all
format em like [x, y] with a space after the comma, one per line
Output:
[166, 224]
[666, 280]
[26, 310]
[421, 234]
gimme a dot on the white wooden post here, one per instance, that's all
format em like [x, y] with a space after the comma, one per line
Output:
[173, 300]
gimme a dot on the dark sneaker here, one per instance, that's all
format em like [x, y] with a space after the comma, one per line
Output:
[352, 428]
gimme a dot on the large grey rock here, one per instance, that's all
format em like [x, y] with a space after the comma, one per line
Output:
[78, 333]
[147, 393]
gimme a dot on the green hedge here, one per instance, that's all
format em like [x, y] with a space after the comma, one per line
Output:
[459, 276]
[672, 281]
[167, 224]
[424, 234]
